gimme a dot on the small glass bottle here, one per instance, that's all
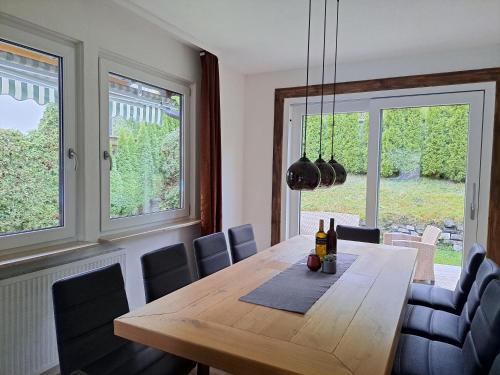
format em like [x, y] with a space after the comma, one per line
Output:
[321, 241]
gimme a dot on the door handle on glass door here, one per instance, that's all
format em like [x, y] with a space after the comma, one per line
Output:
[473, 202]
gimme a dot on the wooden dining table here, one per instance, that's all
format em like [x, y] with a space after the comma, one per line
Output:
[352, 329]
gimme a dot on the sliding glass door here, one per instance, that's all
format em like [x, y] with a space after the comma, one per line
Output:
[424, 168]
[413, 161]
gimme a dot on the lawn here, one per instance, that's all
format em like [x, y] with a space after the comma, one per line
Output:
[417, 201]
[406, 202]
[446, 255]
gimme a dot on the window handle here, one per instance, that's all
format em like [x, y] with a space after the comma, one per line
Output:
[473, 202]
[74, 156]
[107, 156]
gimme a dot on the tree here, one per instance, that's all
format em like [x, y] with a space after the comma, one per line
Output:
[402, 137]
[29, 169]
[146, 173]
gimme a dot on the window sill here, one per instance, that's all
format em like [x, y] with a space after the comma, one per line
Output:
[124, 235]
[33, 260]
[45, 257]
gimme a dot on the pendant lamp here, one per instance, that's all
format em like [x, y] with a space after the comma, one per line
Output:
[340, 172]
[303, 174]
[326, 169]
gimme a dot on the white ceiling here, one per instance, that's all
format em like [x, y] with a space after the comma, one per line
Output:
[267, 35]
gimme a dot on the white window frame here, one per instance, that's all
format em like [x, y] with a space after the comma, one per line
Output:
[109, 225]
[67, 52]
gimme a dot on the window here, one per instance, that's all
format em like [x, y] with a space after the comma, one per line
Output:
[143, 136]
[36, 132]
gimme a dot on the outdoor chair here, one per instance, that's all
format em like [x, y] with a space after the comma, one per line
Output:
[426, 246]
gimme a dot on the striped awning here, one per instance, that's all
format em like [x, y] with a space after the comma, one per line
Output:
[23, 78]
[139, 105]
[20, 90]
[148, 114]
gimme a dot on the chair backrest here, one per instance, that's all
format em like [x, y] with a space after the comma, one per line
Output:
[164, 271]
[495, 368]
[242, 242]
[487, 272]
[211, 254]
[482, 343]
[468, 275]
[345, 232]
[431, 234]
[85, 306]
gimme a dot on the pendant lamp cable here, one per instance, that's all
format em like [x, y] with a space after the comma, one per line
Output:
[307, 79]
[322, 85]
[335, 72]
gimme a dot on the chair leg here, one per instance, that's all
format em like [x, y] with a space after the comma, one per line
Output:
[203, 369]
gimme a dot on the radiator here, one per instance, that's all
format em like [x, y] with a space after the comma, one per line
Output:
[27, 334]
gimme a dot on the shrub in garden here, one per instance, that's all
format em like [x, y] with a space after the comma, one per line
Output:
[146, 167]
[445, 149]
[402, 137]
[30, 186]
[427, 141]
[350, 141]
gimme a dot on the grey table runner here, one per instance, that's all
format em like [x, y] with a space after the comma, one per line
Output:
[296, 289]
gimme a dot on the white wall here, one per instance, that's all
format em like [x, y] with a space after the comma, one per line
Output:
[259, 115]
[232, 92]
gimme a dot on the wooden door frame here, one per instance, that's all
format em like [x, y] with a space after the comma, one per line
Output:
[393, 83]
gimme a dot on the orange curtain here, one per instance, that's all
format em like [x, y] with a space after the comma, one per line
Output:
[210, 147]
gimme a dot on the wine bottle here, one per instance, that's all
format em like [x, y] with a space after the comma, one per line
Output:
[321, 241]
[332, 238]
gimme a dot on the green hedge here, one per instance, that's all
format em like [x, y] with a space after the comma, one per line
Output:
[146, 168]
[429, 141]
[146, 160]
[29, 175]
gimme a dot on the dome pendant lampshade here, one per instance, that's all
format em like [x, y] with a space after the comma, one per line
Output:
[328, 175]
[340, 172]
[303, 174]
[326, 170]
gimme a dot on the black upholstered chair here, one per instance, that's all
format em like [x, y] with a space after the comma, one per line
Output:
[444, 326]
[211, 254]
[164, 271]
[242, 242]
[495, 368]
[445, 299]
[371, 235]
[85, 306]
[420, 356]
